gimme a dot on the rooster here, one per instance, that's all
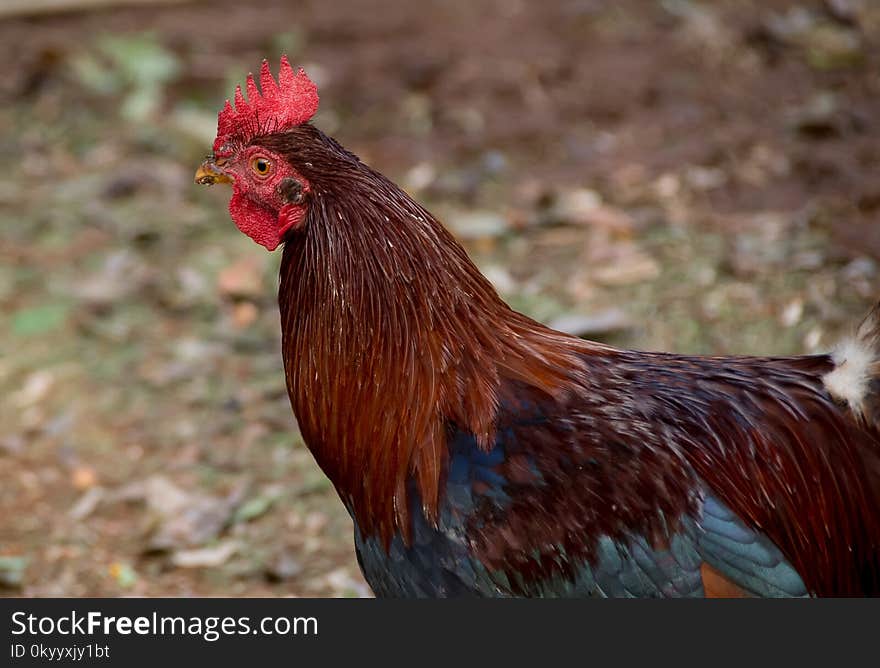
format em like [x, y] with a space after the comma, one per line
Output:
[482, 453]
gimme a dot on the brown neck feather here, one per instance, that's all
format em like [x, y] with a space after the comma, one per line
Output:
[391, 334]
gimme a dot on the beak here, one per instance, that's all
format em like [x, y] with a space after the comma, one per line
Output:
[209, 173]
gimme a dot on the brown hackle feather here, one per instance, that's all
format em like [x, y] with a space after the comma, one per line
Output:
[389, 333]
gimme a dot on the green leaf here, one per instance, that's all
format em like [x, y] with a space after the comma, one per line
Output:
[253, 508]
[142, 59]
[12, 571]
[124, 575]
[38, 319]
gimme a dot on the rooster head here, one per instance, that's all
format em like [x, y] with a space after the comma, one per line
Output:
[270, 195]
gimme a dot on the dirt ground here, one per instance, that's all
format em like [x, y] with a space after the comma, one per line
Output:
[689, 176]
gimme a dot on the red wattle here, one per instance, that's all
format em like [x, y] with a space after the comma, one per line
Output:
[256, 221]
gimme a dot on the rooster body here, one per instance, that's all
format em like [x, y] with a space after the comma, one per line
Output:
[482, 453]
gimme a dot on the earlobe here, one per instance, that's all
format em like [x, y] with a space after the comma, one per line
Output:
[290, 217]
[291, 190]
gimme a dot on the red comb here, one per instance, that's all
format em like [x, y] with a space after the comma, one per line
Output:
[280, 106]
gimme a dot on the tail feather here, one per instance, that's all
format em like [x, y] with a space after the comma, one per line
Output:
[855, 379]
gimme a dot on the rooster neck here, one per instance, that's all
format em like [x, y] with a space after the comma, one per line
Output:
[390, 334]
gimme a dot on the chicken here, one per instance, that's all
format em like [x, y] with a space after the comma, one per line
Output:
[481, 453]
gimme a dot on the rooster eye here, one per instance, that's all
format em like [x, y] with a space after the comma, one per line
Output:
[261, 166]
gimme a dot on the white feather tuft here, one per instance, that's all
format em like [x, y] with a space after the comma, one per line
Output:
[849, 380]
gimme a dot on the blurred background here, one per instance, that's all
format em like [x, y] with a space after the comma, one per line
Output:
[697, 177]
